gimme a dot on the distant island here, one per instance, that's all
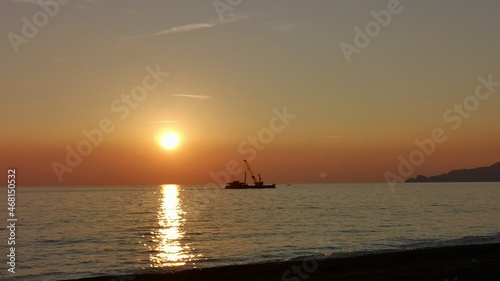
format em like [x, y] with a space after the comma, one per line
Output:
[482, 174]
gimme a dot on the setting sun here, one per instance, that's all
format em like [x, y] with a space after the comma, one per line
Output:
[170, 141]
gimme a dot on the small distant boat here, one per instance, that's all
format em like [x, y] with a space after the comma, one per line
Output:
[236, 184]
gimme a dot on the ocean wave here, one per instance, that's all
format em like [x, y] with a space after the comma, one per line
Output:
[466, 240]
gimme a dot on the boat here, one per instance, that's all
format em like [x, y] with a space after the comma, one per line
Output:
[236, 184]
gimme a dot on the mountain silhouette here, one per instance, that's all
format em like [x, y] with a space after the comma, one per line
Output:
[482, 174]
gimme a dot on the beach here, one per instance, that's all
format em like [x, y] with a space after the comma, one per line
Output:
[465, 262]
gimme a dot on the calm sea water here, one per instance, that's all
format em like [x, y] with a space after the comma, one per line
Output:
[74, 232]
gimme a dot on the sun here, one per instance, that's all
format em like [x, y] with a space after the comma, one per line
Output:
[170, 141]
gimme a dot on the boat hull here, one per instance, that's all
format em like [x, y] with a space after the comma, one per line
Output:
[248, 186]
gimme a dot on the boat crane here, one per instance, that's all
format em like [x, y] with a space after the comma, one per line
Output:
[259, 182]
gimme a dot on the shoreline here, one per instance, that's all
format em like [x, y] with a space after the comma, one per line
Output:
[452, 263]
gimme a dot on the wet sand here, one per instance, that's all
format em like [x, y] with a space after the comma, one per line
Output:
[460, 263]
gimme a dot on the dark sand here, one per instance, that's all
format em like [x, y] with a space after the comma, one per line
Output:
[461, 263]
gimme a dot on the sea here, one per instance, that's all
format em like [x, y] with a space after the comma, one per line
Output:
[73, 232]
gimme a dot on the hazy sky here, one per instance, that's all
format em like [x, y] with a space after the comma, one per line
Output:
[66, 67]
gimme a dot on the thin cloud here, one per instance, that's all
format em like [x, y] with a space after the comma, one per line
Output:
[182, 28]
[165, 121]
[329, 137]
[200, 97]
[31, 1]
[191, 27]
[78, 4]
[38, 2]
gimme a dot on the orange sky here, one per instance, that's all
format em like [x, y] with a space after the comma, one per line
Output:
[332, 160]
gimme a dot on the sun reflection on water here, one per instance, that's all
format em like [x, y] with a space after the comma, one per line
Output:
[170, 249]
